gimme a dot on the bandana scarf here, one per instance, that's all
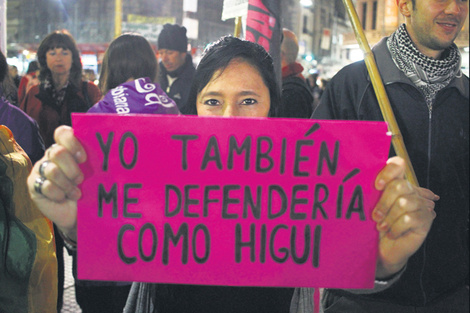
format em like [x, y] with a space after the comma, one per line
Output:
[428, 75]
[57, 95]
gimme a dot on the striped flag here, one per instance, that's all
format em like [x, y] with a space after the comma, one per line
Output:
[263, 26]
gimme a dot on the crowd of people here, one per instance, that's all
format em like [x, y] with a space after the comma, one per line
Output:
[423, 248]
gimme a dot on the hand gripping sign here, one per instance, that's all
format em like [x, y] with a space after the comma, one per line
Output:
[229, 201]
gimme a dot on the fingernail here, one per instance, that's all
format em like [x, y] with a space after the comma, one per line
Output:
[383, 226]
[79, 179]
[79, 156]
[75, 194]
[436, 197]
[378, 215]
[380, 184]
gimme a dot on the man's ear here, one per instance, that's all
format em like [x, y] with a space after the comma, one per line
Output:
[405, 7]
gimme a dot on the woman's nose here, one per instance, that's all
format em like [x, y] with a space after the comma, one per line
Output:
[231, 110]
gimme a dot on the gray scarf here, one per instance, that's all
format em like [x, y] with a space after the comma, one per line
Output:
[429, 75]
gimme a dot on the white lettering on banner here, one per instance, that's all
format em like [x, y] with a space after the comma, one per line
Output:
[153, 98]
[143, 89]
[120, 100]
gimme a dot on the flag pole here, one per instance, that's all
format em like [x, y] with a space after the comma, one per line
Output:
[117, 18]
[238, 27]
[382, 98]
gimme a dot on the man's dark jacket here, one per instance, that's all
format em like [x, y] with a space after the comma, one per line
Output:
[437, 141]
[179, 90]
[296, 98]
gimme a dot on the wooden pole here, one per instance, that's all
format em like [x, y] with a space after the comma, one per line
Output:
[117, 18]
[382, 98]
[238, 27]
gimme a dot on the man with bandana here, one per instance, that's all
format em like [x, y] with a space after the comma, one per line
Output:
[420, 67]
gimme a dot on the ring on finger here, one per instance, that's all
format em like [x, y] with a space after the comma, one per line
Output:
[42, 168]
[38, 184]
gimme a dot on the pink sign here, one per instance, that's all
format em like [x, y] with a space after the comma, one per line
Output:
[229, 201]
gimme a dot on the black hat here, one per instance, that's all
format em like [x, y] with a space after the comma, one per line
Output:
[173, 37]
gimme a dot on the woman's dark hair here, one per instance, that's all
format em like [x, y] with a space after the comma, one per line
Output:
[3, 66]
[128, 56]
[219, 55]
[7, 86]
[32, 67]
[60, 39]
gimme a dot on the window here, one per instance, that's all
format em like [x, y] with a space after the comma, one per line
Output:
[364, 15]
[305, 26]
[374, 15]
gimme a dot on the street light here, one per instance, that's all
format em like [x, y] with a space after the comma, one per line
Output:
[306, 3]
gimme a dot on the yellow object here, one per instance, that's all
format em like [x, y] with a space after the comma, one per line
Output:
[382, 98]
[40, 279]
[117, 18]
[238, 27]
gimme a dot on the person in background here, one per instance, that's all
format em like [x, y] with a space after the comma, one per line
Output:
[315, 89]
[24, 128]
[176, 66]
[136, 75]
[296, 99]
[61, 91]
[129, 69]
[89, 74]
[7, 86]
[13, 70]
[420, 67]
[28, 265]
[30, 79]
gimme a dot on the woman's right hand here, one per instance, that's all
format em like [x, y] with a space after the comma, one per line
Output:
[58, 193]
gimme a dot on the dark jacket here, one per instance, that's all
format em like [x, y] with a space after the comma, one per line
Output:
[296, 98]
[179, 90]
[174, 298]
[437, 141]
[39, 104]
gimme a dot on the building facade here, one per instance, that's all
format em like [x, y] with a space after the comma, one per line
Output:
[319, 25]
[326, 39]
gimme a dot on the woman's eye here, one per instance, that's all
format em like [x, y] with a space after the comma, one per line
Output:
[211, 102]
[52, 53]
[249, 101]
[65, 53]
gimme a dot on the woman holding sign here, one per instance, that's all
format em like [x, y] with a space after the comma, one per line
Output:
[234, 78]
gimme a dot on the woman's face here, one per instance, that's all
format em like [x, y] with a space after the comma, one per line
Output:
[237, 91]
[59, 61]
